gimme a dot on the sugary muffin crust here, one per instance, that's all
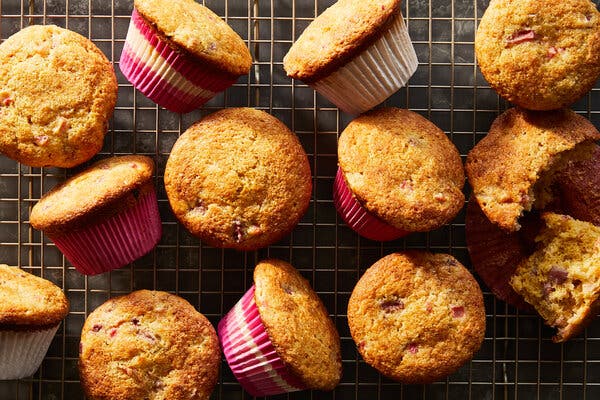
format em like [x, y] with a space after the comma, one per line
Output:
[540, 54]
[402, 168]
[337, 35]
[27, 300]
[148, 345]
[57, 93]
[101, 190]
[298, 324]
[416, 316]
[511, 168]
[199, 31]
[238, 178]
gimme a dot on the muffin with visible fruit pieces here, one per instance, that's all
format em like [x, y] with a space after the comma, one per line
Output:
[561, 279]
[417, 317]
[357, 53]
[180, 54]
[148, 344]
[398, 173]
[31, 309]
[279, 338]
[57, 93]
[238, 178]
[105, 216]
[540, 54]
[511, 169]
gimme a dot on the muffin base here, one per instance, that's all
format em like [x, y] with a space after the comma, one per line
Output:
[359, 218]
[22, 352]
[170, 78]
[251, 354]
[375, 74]
[116, 241]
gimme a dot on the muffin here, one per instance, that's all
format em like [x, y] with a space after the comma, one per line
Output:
[238, 178]
[512, 168]
[180, 54]
[561, 279]
[398, 173]
[279, 337]
[105, 216]
[540, 54]
[417, 317]
[57, 93]
[148, 345]
[356, 54]
[31, 310]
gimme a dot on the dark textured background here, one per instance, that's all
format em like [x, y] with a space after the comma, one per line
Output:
[517, 359]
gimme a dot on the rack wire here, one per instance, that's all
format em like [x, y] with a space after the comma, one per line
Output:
[517, 359]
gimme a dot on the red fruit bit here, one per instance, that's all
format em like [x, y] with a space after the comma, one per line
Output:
[552, 51]
[41, 140]
[557, 275]
[406, 185]
[413, 348]
[526, 35]
[238, 232]
[5, 99]
[362, 344]
[96, 328]
[548, 288]
[390, 306]
[134, 165]
[112, 332]
[428, 307]
[458, 311]
[62, 125]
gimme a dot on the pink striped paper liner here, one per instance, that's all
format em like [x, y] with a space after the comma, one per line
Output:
[359, 218]
[172, 79]
[116, 241]
[250, 353]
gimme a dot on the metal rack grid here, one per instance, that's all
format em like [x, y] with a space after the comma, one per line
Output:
[517, 359]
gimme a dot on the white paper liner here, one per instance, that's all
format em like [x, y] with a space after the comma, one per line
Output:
[375, 74]
[22, 352]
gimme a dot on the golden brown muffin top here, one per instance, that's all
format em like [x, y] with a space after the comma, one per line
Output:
[416, 316]
[521, 147]
[298, 324]
[540, 54]
[99, 191]
[337, 35]
[402, 168]
[199, 31]
[562, 278]
[148, 345]
[26, 299]
[238, 178]
[57, 93]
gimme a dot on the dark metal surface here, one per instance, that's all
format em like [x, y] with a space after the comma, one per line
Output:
[517, 359]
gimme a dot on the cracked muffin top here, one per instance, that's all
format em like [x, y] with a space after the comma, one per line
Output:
[57, 93]
[402, 168]
[511, 169]
[238, 178]
[102, 190]
[298, 324]
[191, 27]
[416, 316]
[540, 54]
[148, 345]
[28, 300]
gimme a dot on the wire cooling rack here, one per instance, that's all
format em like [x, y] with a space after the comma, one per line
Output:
[517, 359]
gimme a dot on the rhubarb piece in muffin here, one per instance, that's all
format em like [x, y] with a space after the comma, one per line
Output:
[238, 178]
[180, 54]
[398, 173]
[279, 338]
[104, 217]
[357, 53]
[540, 54]
[417, 317]
[57, 93]
[31, 309]
[562, 278]
[148, 345]
[512, 168]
